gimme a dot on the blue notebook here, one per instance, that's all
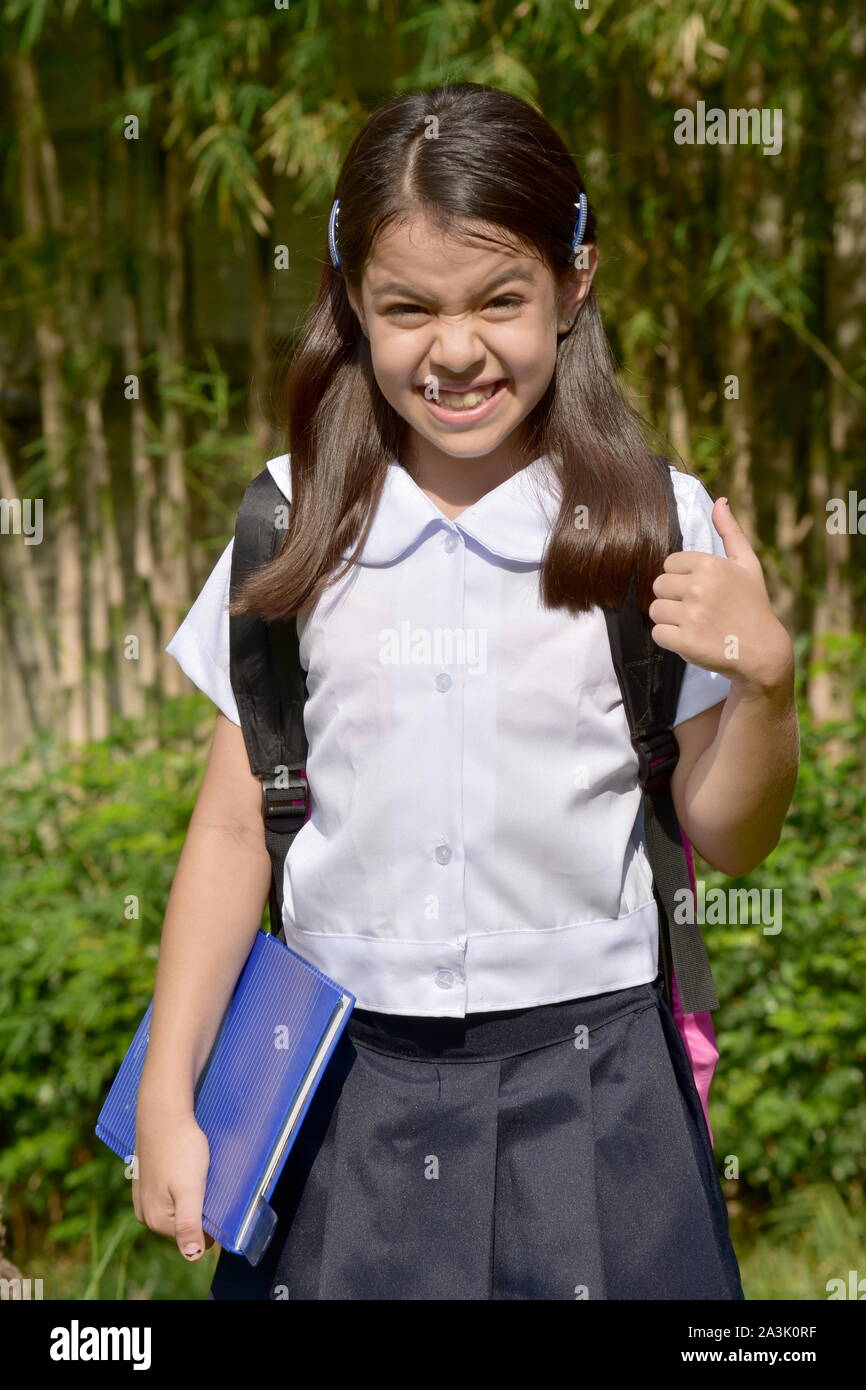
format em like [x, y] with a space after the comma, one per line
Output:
[282, 1023]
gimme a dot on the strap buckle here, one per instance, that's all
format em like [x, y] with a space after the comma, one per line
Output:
[657, 755]
[285, 806]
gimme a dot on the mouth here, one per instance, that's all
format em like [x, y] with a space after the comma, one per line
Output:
[454, 406]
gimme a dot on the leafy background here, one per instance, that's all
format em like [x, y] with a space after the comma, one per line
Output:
[158, 257]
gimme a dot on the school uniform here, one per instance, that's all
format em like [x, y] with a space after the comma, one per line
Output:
[510, 1112]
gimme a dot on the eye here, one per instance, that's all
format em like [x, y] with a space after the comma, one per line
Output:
[404, 309]
[504, 302]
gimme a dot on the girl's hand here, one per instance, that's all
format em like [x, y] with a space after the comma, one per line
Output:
[714, 611]
[173, 1158]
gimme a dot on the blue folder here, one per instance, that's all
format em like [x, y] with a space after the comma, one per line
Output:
[281, 1025]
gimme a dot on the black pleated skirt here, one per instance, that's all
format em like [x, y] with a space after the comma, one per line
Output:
[557, 1152]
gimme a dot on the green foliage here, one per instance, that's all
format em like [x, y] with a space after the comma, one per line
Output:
[789, 1099]
[80, 837]
[685, 256]
[811, 1236]
[121, 1260]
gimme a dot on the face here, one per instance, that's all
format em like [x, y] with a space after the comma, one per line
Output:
[443, 316]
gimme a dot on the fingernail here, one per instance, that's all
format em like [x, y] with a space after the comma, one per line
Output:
[192, 1250]
[725, 502]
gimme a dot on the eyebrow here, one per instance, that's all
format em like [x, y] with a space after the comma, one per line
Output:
[392, 287]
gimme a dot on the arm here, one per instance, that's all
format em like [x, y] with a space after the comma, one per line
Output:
[737, 771]
[213, 913]
[739, 760]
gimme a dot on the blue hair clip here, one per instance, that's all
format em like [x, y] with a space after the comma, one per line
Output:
[580, 225]
[333, 226]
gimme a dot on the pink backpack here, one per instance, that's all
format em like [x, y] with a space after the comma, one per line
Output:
[697, 1029]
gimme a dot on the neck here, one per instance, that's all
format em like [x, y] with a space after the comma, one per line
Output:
[453, 484]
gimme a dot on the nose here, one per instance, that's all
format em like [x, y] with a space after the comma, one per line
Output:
[455, 350]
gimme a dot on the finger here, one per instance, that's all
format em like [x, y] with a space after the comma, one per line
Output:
[734, 538]
[188, 1230]
[667, 636]
[670, 585]
[737, 545]
[683, 561]
[667, 610]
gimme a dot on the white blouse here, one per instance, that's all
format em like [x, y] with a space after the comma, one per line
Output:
[476, 834]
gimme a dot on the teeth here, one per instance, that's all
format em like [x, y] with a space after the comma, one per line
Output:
[466, 401]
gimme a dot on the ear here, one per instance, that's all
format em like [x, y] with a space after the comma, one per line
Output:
[355, 304]
[577, 282]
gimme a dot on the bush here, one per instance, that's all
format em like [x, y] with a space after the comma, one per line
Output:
[81, 837]
[788, 1098]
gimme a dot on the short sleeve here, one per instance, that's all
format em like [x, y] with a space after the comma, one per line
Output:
[700, 689]
[201, 644]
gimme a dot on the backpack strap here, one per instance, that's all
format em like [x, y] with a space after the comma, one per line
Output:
[269, 685]
[650, 678]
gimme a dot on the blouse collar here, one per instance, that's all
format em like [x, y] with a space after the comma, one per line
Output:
[513, 520]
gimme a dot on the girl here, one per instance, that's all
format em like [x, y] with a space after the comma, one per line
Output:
[510, 1113]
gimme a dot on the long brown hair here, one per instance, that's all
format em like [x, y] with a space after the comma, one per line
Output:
[497, 160]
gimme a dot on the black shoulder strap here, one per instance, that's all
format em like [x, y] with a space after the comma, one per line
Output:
[650, 678]
[269, 686]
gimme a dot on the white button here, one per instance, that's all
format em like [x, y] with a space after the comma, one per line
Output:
[444, 978]
[443, 681]
[451, 541]
[443, 853]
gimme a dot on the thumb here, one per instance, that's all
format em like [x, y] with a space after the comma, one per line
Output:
[733, 536]
[191, 1239]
